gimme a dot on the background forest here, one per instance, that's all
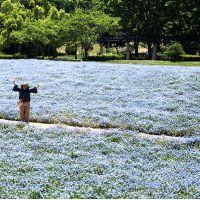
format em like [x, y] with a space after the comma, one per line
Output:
[39, 27]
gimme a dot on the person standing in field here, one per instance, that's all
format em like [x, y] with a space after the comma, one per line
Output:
[24, 100]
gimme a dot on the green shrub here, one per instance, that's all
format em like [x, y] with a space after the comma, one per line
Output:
[70, 49]
[174, 51]
[105, 57]
[187, 57]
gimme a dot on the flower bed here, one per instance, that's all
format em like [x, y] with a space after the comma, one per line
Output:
[59, 163]
[156, 100]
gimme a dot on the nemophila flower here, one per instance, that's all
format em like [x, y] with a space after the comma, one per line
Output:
[82, 163]
[163, 100]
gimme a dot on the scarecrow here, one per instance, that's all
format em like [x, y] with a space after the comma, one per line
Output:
[24, 100]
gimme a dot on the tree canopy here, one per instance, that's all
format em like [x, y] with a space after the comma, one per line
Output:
[39, 27]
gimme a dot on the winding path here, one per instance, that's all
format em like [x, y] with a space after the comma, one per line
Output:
[164, 138]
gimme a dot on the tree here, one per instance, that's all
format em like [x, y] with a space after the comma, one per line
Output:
[84, 28]
[143, 18]
[183, 19]
[70, 6]
[32, 29]
[12, 16]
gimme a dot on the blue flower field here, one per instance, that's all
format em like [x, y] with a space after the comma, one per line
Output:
[156, 100]
[133, 131]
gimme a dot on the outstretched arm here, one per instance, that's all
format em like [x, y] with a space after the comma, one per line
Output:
[33, 90]
[16, 87]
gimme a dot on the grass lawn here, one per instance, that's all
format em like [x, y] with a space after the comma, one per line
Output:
[156, 62]
[141, 62]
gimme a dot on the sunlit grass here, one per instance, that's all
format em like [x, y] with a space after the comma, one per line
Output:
[157, 62]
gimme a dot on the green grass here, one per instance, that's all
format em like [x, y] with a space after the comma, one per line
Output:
[143, 62]
[157, 62]
[15, 56]
[59, 58]
[65, 58]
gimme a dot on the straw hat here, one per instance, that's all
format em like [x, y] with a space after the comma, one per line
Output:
[26, 84]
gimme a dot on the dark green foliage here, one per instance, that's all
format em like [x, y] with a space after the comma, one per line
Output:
[174, 51]
[104, 57]
[152, 19]
[38, 27]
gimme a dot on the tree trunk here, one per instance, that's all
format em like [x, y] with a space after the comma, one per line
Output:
[101, 49]
[76, 56]
[149, 50]
[82, 53]
[117, 50]
[86, 53]
[136, 47]
[54, 52]
[43, 51]
[19, 48]
[154, 56]
[128, 49]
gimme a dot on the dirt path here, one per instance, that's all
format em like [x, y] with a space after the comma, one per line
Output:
[164, 138]
[49, 126]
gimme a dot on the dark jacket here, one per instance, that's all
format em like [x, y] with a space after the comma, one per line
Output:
[24, 95]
